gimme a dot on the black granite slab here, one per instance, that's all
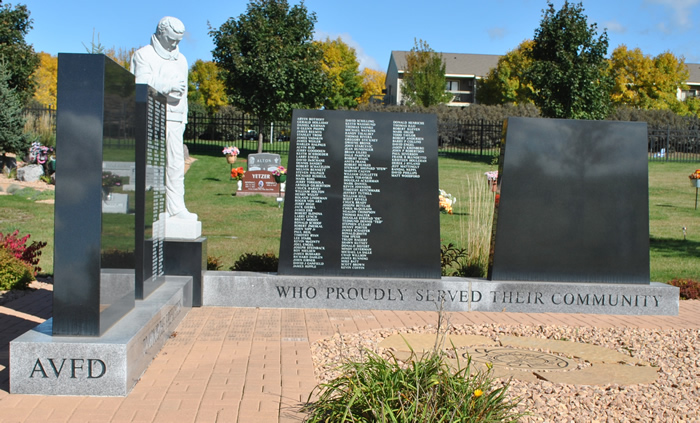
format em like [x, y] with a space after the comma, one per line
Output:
[573, 202]
[362, 196]
[94, 125]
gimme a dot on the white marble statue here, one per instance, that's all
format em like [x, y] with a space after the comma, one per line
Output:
[163, 67]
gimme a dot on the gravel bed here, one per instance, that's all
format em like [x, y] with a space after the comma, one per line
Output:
[673, 397]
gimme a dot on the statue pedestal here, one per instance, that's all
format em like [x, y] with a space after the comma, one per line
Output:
[182, 229]
[185, 257]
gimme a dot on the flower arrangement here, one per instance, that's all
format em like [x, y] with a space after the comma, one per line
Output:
[39, 154]
[231, 151]
[447, 201]
[695, 175]
[492, 179]
[281, 170]
[237, 173]
[110, 180]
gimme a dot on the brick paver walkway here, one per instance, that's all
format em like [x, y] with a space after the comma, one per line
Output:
[244, 365]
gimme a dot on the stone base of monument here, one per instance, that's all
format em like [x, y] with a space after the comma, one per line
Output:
[264, 194]
[248, 289]
[108, 365]
[182, 229]
[187, 258]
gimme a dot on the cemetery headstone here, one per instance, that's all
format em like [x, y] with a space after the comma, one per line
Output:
[258, 179]
[572, 203]
[362, 196]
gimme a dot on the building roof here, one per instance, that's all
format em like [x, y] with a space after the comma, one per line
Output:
[694, 71]
[457, 63]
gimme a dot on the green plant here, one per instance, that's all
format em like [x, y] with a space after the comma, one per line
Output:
[449, 256]
[689, 288]
[424, 389]
[256, 262]
[14, 274]
[214, 263]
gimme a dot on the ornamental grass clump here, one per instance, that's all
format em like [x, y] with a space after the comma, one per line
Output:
[424, 389]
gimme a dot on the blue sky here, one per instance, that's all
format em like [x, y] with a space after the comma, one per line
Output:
[374, 28]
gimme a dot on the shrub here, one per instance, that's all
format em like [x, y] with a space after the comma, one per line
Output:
[422, 390]
[689, 288]
[214, 263]
[18, 248]
[450, 255]
[14, 273]
[256, 262]
[114, 258]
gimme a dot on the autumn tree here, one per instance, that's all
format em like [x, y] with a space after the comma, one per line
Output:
[342, 72]
[12, 137]
[424, 82]
[373, 84]
[506, 83]
[569, 69]
[19, 57]
[46, 77]
[269, 62]
[646, 82]
[206, 87]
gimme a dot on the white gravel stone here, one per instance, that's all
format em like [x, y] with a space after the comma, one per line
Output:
[673, 397]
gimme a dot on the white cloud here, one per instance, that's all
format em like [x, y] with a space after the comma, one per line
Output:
[615, 26]
[496, 33]
[680, 8]
[365, 60]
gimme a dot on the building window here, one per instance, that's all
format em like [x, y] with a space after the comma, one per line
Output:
[452, 86]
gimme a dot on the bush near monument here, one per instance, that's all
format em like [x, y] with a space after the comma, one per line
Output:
[256, 262]
[18, 248]
[14, 274]
[689, 288]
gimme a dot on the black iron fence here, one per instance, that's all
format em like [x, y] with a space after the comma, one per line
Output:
[206, 133]
[479, 138]
[674, 145]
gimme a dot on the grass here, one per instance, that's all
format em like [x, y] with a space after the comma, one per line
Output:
[23, 214]
[672, 208]
[252, 224]
[233, 225]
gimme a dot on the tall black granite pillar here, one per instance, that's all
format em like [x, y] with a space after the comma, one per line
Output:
[94, 126]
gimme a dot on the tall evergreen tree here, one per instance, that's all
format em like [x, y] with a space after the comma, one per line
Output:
[424, 80]
[19, 57]
[12, 137]
[569, 70]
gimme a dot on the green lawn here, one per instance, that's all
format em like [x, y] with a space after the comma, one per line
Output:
[236, 225]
